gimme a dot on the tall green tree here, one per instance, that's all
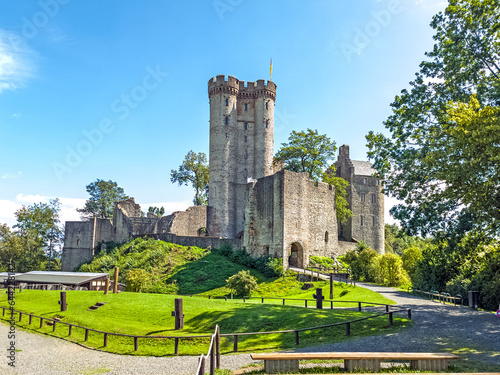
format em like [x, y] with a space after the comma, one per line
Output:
[441, 157]
[307, 151]
[193, 171]
[158, 211]
[103, 196]
[311, 152]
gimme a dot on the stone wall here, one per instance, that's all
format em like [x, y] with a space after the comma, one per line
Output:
[185, 223]
[203, 242]
[78, 244]
[345, 246]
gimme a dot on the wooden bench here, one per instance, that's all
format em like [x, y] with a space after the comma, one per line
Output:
[365, 361]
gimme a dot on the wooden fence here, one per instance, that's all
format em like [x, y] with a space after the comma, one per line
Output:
[235, 336]
[440, 296]
[213, 354]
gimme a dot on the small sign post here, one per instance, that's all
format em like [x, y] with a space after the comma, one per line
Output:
[319, 298]
[62, 302]
[178, 314]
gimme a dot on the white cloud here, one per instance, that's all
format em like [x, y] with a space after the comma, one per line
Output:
[16, 61]
[8, 176]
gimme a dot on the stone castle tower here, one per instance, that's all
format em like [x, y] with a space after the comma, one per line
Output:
[241, 148]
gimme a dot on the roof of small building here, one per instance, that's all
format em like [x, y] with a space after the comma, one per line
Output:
[57, 277]
[363, 168]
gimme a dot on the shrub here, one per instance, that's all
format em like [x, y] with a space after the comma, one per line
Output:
[362, 264]
[137, 280]
[242, 283]
[389, 270]
[411, 257]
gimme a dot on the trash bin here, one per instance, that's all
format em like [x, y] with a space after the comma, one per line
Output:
[473, 299]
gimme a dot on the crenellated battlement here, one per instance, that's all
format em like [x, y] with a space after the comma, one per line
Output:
[244, 89]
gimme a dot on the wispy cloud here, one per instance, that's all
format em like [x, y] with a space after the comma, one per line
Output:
[16, 61]
[8, 176]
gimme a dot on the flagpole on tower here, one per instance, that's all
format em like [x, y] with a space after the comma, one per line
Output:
[271, 69]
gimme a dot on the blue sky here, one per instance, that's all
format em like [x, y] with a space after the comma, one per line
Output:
[118, 89]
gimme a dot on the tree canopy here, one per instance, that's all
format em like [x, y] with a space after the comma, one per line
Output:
[193, 171]
[103, 196]
[442, 154]
[307, 151]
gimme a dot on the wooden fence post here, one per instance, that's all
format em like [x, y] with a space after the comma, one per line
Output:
[106, 286]
[348, 329]
[41, 322]
[54, 326]
[296, 337]
[359, 306]
[212, 359]
[69, 331]
[115, 284]
[62, 302]
[409, 314]
[176, 345]
[86, 334]
[105, 339]
[217, 346]
[390, 319]
[136, 343]
[235, 343]
[31, 317]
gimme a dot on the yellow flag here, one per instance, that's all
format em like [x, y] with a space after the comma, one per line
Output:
[271, 70]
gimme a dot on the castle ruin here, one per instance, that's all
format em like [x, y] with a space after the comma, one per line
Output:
[251, 206]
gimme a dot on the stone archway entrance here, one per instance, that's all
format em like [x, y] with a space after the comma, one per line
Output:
[296, 258]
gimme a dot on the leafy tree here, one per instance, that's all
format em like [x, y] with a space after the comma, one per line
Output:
[158, 211]
[362, 262]
[411, 257]
[307, 151]
[242, 283]
[441, 157]
[193, 171]
[389, 270]
[103, 196]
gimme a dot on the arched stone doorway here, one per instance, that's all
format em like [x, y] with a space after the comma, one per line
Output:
[296, 258]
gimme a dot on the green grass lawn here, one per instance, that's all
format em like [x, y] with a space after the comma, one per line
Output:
[150, 314]
[289, 287]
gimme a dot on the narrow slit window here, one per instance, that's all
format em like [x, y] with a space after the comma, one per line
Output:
[227, 102]
[362, 220]
[374, 198]
[227, 120]
[373, 221]
[363, 196]
[246, 125]
[267, 105]
[245, 138]
[267, 124]
[246, 106]
[364, 181]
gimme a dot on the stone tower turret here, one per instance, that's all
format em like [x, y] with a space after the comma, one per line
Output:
[241, 148]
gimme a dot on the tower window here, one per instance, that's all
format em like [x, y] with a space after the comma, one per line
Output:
[363, 196]
[326, 236]
[364, 181]
[377, 182]
[246, 125]
[267, 124]
[227, 102]
[227, 120]
[374, 198]
[373, 221]
[266, 105]
[246, 106]
[362, 220]
[245, 138]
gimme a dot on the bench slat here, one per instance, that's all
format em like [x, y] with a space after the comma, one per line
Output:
[353, 355]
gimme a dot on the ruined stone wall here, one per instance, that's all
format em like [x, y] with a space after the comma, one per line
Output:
[189, 222]
[309, 218]
[345, 246]
[78, 244]
[264, 217]
[288, 208]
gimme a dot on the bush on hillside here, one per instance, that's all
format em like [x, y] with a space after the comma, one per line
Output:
[242, 283]
[389, 270]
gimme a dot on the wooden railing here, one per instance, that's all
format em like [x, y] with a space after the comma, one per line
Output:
[177, 338]
[213, 354]
[440, 296]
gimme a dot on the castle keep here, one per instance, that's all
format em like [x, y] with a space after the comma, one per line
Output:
[280, 214]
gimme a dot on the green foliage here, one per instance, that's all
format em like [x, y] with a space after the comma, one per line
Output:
[411, 257]
[397, 241]
[103, 196]
[137, 280]
[243, 284]
[193, 171]
[267, 266]
[441, 156]
[322, 261]
[158, 211]
[307, 151]
[341, 204]
[362, 263]
[389, 270]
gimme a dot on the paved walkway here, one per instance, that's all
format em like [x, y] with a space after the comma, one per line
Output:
[438, 327]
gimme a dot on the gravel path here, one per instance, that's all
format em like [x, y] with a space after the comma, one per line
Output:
[437, 327]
